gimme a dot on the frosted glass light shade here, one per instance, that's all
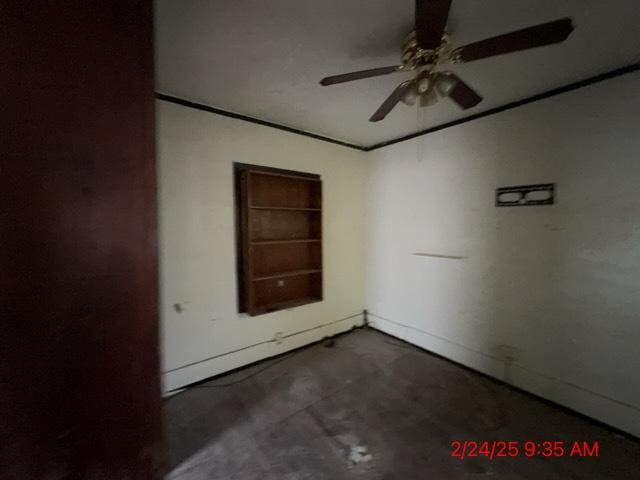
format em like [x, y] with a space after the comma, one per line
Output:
[410, 96]
[424, 84]
[445, 84]
[428, 98]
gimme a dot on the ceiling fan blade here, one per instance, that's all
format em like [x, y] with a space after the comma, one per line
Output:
[348, 77]
[391, 101]
[462, 94]
[431, 20]
[532, 37]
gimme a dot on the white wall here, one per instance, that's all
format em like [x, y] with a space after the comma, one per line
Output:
[196, 151]
[558, 285]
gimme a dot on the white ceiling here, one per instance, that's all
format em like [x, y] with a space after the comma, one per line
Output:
[264, 58]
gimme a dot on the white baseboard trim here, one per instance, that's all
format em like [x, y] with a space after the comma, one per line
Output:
[622, 416]
[192, 373]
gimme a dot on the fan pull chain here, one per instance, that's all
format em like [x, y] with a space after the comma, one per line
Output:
[421, 121]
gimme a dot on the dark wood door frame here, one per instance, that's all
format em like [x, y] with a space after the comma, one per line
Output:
[79, 389]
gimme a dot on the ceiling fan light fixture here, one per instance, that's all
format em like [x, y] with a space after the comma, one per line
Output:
[410, 96]
[429, 98]
[424, 85]
[444, 84]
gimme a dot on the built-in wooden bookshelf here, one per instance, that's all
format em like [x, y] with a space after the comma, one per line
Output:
[280, 239]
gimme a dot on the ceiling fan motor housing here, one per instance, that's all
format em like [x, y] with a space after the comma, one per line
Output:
[414, 57]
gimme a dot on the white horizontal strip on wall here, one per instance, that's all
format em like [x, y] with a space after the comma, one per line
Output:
[438, 255]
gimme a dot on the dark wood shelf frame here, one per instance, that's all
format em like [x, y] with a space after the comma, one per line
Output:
[279, 227]
[292, 273]
[297, 209]
[286, 242]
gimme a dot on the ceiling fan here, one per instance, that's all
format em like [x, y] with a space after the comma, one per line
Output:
[428, 47]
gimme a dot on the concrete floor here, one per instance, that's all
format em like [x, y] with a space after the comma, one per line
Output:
[372, 407]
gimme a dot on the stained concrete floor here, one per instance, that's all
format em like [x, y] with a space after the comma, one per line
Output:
[372, 407]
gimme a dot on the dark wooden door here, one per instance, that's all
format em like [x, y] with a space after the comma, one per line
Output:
[79, 392]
